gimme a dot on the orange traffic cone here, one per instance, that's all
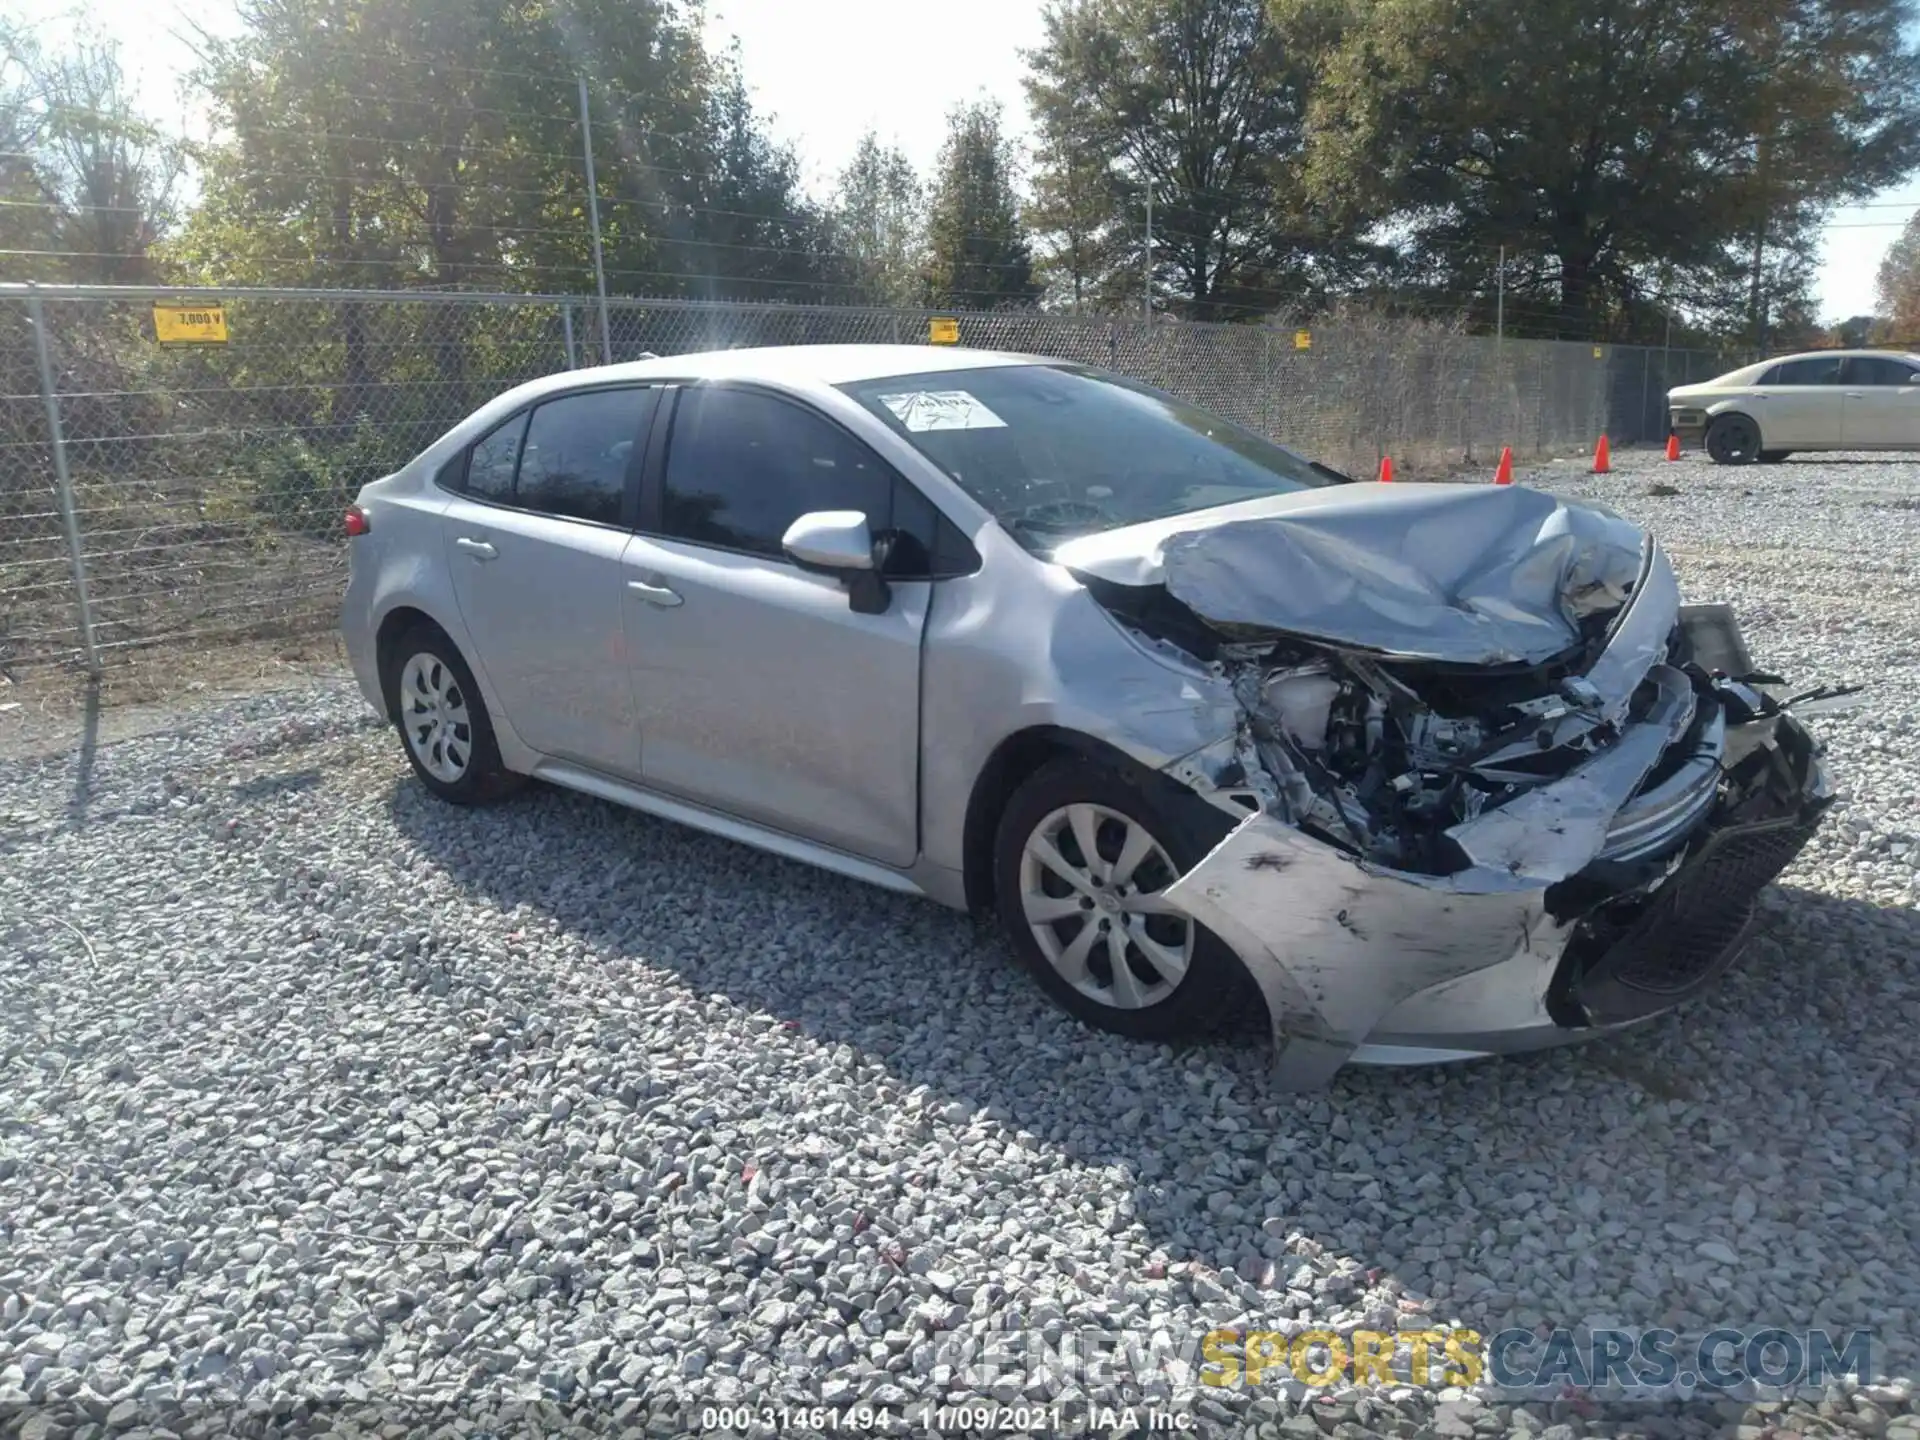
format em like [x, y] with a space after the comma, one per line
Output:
[1673, 447]
[1602, 457]
[1386, 469]
[1504, 474]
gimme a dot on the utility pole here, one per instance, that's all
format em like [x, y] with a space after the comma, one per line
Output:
[593, 215]
[1147, 307]
[1500, 304]
[1757, 291]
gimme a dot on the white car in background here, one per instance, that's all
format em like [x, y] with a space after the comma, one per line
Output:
[1828, 400]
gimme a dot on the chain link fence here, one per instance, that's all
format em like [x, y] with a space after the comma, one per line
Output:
[154, 493]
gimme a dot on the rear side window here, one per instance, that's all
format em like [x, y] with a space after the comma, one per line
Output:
[742, 466]
[578, 452]
[1879, 370]
[1815, 370]
[490, 471]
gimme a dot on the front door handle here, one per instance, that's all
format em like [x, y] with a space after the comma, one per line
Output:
[655, 594]
[1855, 395]
[478, 549]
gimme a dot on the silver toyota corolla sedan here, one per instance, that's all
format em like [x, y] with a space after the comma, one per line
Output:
[1429, 771]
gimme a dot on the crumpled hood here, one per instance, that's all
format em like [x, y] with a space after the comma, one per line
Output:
[1473, 574]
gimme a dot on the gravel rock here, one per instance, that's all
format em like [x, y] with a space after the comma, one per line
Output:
[318, 1089]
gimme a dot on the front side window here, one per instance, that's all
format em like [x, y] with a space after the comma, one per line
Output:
[1880, 370]
[1056, 452]
[578, 451]
[1815, 370]
[742, 466]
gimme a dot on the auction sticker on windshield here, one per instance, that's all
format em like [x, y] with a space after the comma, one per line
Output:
[920, 410]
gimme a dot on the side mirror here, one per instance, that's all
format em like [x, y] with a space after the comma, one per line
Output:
[830, 541]
[840, 543]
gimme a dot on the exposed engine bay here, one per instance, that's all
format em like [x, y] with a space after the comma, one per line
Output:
[1489, 688]
[1490, 779]
[1385, 759]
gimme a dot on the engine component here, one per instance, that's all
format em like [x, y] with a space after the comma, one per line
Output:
[1302, 699]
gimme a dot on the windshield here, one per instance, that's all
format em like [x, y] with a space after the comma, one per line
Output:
[1057, 452]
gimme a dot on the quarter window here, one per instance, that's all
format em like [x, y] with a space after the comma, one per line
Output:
[490, 472]
[578, 451]
[743, 466]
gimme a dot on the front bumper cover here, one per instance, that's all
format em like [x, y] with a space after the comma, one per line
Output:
[1347, 953]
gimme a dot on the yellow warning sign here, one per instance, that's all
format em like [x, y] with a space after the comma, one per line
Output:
[1303, 339]
[190, 324]
[1599, 352]
[943, 330]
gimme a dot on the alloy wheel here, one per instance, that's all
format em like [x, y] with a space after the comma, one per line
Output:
[1091, 883]
[433, 714]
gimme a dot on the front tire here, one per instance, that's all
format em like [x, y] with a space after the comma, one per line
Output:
[1080, 859]
[1733, 440]
[1773, 457]
[444, 726]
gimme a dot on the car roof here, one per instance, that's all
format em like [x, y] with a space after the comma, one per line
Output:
[1904, 355]
[806, 364]
[793, 367]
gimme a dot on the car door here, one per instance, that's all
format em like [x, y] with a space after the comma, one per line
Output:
[534, 539]
[1882, 402]
[760, 691]
[1800, 405]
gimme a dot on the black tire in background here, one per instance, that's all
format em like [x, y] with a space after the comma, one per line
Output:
[1733, 440]
[439, 664]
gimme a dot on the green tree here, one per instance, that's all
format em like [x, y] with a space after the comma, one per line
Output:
[1204, 102]
[978, 253]
[26, 211]
[1078, 212]
[89, 182]
[1899, 285]
[879, 223]
[397, 144]
[409, 143]
[1611, 140]
[749, 231]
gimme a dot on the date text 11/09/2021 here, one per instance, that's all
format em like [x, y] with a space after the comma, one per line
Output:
[928, 1417]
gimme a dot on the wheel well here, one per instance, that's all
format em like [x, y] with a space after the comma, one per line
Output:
[397, 622]
[1714, 420]
[1013, 762]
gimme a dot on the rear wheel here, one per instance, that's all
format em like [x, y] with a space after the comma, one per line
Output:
[1733, 440]
[443, 721]
[1082, 858]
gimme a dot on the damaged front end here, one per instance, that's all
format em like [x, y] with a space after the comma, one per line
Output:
[1500, 788]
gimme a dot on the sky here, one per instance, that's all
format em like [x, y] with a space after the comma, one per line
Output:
[827, 70]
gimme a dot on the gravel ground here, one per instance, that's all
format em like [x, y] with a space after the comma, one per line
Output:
[319, 1090]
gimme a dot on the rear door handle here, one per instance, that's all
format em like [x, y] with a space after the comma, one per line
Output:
[655, 594]
[1855, 395]
[478, 549]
